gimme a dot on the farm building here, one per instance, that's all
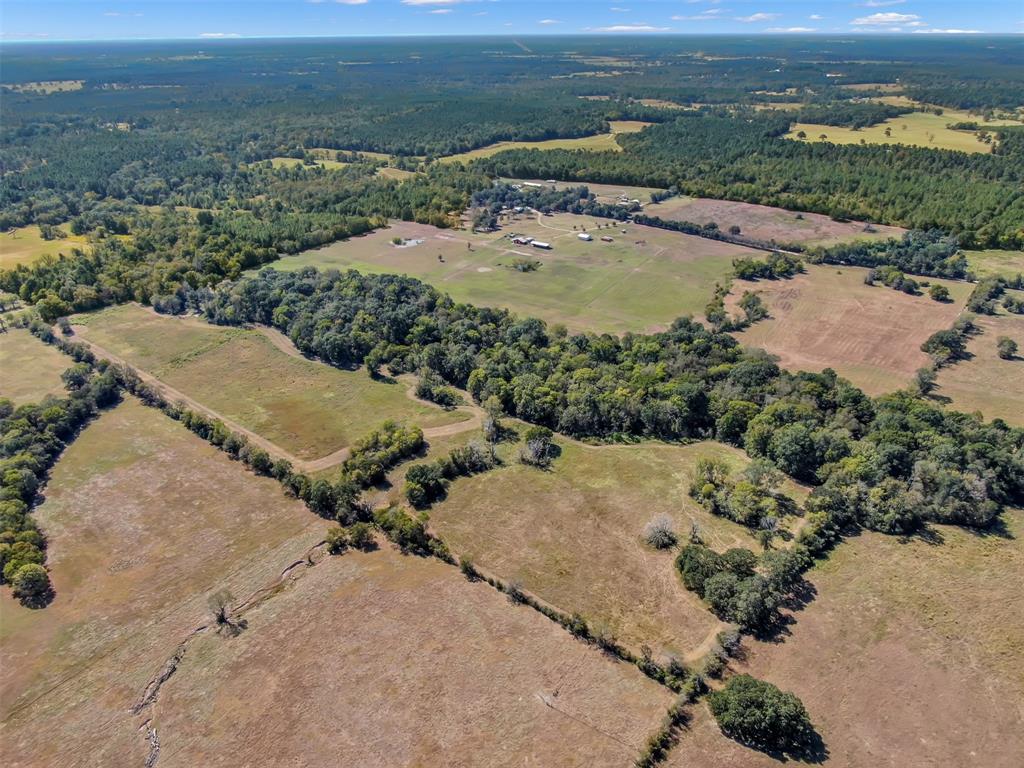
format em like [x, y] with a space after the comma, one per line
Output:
[521, 240]
[584, 236]
[539, 244]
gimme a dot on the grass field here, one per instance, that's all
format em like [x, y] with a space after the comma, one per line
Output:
[45, 86]
[573, 535]
[308, 408]
[29, 369]
[395, 173]
[387, 660]
[23, 245]
[828, 318]
[605, 193]
[602, 142]
[996, 262]
[144, 520]
[762, 222]
[912, 653]
[919, 129]
[643, 280]
[292, 162]
[986, 382]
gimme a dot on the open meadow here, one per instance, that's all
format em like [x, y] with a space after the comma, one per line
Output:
[997, 262]
[601, 142]
[763, 222]
[573, 535]
[642, 280]
[24, 245]
[985, 382]
[911, 654]
[307, 408]
[144, 521]
[827, 317]
[383, 659]
[29, 369]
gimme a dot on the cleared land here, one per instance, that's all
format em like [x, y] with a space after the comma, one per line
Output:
[912, 654]
[573, 535]
[144, 520]
[381, 659]
[986, 382]
[996, 262]
[308, 408]
[23, 245]
[292, 162]
[395, 173]
[762, 222]
[642, 280]
[605, 193]
[29, 369]
[828, 318]
[918, 129]
[602, 142]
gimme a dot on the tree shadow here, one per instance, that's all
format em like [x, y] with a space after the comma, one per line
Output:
[39, 601]
[813, 751]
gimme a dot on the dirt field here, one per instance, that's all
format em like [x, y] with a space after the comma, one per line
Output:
[29, 369]
[986, 382]
[24, 245]
[765, 223]
[144, 520]
[828, 318]
[912, 654]
[599, 286]
[308, 408]
[996, 262]
[387, 660]
[572, 535]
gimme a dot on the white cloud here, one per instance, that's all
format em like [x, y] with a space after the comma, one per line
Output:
[619, 10]
[881, 3]
[711, 14]
[815, 17]
[548, 22]
[947, 31]
[431, 2]
[628, 28]
[215, 35]
[441, 10]
[885, 19]
[755, 17]
[791, 29]
[352, 2]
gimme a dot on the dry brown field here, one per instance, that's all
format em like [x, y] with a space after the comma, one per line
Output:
[828, 318]
[763, 222]
[143, 520]
[382, 659]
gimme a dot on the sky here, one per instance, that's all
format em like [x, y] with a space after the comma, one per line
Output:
[213, 19]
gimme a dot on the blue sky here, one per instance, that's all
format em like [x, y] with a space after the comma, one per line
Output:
[210, 19]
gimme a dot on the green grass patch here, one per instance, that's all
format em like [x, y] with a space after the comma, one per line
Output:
[29, 369]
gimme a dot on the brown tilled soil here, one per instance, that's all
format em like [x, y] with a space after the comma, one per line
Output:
[828, 318]
[382, 659]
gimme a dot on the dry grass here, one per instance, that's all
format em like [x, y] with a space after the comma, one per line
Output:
[143, 521]
[602, 142]
[762, 222]
[605, 193]
[828, 318]
[29, 369]
[996, 262]
[382, 660]
[986, 383]
[294, 162]
[911, 654]
[573, 535]
[24, 245]
[308, 408]
[396, 173]
[642, 280]
[45, 87]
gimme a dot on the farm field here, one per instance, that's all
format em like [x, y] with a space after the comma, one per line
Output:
[29, 369]
[292, 162]
[605, 193]
[573, 535]
[24, 245]
[986, 382]
[395, 173]
[602, 142]
[144, 520]
[895, 671]
[996, 262]
[381, 659]
[828, 318]
[305, 407]
[918, 129]
[763, 222]
[643, 280]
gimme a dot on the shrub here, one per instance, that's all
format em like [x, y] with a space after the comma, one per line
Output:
[31, 584]
[1006, 347]
[337, 540]
[659, 533]
[360, 536]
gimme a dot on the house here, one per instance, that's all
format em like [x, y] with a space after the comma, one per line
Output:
[584, 236]
[521, 240]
